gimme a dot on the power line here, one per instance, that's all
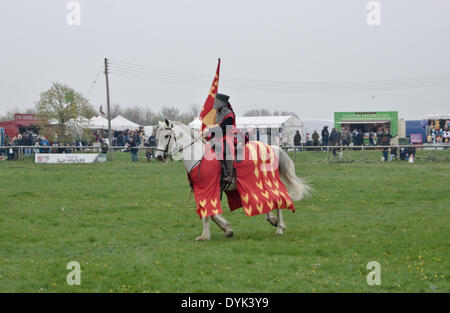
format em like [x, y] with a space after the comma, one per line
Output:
[93, 84]
[256, 85]
[434, 79]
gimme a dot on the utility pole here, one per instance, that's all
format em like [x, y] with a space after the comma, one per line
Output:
[108, 105]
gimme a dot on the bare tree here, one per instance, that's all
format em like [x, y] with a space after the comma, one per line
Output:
[133, 113]
[258, 112]
[9, 115]
[194, 109]
[149, 117]
[264, 112]
[252, 112]
[116, 110]
[287, 113]
[170, 113]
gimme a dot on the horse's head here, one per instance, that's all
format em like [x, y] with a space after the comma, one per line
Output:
[165, 139]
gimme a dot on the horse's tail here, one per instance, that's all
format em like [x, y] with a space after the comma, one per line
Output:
[297, 188]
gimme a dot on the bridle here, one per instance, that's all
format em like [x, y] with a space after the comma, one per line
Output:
[166, 150]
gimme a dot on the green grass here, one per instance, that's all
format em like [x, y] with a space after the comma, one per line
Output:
[132, 229]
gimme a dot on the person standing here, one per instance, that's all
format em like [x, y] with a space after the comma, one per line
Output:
[307, 140]
[371, 138]
[133, 148]
[356, 137]
[345, 136]
[104, 147]
[385, 142]
[151, 143]
[360, 137]
[45, 143]
[334, 140]
[315, 138]
[297, 140]
[325, 135]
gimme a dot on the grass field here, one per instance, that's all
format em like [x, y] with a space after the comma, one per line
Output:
[132, 229]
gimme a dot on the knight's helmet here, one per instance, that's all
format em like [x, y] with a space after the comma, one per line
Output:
[221, 101]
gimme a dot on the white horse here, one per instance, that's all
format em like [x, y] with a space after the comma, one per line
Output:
[175, 138]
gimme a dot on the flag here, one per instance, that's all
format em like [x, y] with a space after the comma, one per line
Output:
[101, 110]
[208, 114]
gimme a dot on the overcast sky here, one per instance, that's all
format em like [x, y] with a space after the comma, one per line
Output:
[309, 42]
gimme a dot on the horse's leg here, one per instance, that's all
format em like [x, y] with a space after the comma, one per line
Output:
[223, 224]
[271, 218]
[281, 227]
[206, 234]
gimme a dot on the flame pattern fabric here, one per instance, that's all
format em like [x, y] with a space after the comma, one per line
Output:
[259, 188]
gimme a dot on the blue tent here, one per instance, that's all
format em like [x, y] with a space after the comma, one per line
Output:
[416, 127]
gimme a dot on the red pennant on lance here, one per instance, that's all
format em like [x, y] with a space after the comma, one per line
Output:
[208, 114]
[101, 110]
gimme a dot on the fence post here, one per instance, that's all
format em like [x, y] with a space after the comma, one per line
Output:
[328, 153]
[111, 153]
[362, 152]
[294, 153]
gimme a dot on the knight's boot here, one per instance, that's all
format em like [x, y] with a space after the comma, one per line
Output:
[228, 171]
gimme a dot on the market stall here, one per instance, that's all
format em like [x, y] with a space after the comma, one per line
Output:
[367, 122]
[438, 128]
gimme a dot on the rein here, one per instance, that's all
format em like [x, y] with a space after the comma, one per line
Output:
[166, 150]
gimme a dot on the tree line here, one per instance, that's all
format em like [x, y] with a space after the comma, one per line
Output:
[265, 112]
[68, 110]
[143, 115]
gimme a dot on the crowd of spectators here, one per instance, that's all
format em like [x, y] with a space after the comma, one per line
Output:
[439, 132]
[33, 142]
[346, 137]
[130, 140]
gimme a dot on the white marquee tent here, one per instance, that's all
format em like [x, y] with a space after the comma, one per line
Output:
[267, 121]
[121, 123]
[438, 117]
[258, 122]
[287, 124]
[98, 122]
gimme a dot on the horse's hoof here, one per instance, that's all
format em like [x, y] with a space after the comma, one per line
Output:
[202, 238]
[279, 232]
[229, 233]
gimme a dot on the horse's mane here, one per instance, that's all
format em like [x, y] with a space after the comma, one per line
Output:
[194, 135]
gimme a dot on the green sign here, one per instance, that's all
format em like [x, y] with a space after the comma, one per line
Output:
[367, 118]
